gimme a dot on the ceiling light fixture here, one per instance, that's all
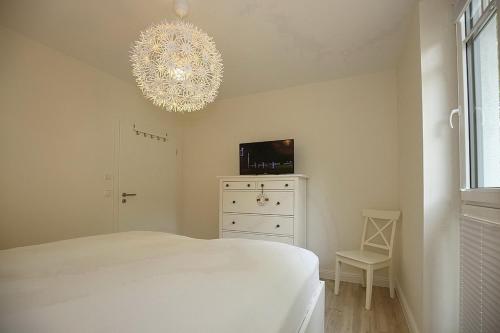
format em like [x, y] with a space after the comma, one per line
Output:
[176, 65]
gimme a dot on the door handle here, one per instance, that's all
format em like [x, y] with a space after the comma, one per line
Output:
[452, 113]
[128, 194]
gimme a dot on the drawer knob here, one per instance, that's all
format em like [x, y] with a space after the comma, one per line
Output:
[248, 185]
[261, 185]
[277, 225]
[227, 185]
[258, 199]
[233, 222]
[286, 185]
[234, 201]
[267, 199]
[277, 203]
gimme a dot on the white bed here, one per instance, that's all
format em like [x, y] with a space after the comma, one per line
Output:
[159, 282]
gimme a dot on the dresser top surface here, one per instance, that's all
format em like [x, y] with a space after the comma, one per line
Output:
[264, 176]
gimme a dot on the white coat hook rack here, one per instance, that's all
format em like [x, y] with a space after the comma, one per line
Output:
[150, 134]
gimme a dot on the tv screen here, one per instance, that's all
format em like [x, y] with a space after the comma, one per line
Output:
[268, 157]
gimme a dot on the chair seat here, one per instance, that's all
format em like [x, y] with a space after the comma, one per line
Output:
[367, 257]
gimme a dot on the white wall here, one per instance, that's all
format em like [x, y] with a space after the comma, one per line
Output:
[429, 171]
[441, 168]
[410, 244]
[57, 142]
[345, 135]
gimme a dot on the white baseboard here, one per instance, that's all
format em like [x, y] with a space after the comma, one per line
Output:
[329, 274]
[410, 319]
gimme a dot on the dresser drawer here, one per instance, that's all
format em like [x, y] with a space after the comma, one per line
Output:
[277, 203]
[275, 185]
[238, 185]
[278, 225]
[280, 239]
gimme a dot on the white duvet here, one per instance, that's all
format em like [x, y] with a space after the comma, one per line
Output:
[155, 282]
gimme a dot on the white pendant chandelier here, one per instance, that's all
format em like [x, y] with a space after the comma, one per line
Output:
[176, 65]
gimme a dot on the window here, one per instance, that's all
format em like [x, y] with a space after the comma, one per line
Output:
[479, 34]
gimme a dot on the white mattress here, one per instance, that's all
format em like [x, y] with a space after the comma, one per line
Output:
[156, 282]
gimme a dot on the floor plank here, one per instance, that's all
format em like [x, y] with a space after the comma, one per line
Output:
[346, 312]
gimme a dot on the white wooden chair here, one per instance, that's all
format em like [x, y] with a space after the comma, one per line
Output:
[368, 260]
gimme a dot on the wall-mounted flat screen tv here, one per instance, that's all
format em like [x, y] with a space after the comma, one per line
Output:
[268, 157]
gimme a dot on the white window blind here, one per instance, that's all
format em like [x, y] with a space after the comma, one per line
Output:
[479, 276]
[491, 277]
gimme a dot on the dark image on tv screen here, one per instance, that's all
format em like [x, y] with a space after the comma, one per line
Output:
[268, 157]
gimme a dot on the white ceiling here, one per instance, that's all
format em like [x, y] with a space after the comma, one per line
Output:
[265, 44]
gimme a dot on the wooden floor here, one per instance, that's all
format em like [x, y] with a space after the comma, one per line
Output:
[346, 312]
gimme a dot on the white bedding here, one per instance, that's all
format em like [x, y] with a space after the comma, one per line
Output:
[156, 282]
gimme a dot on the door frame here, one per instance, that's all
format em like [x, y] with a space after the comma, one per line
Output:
[116, 175]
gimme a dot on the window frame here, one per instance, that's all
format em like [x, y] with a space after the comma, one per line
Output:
[487, 196]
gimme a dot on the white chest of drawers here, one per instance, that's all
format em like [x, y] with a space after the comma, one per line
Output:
[270, 207]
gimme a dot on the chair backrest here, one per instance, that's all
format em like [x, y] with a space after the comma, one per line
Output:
[380, 220]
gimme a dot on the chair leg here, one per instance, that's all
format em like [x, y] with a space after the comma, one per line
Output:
[391, 281]
[337, 276]
[363, 279]
[369, 285]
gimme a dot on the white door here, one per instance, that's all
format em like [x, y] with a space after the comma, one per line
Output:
[146, 182]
